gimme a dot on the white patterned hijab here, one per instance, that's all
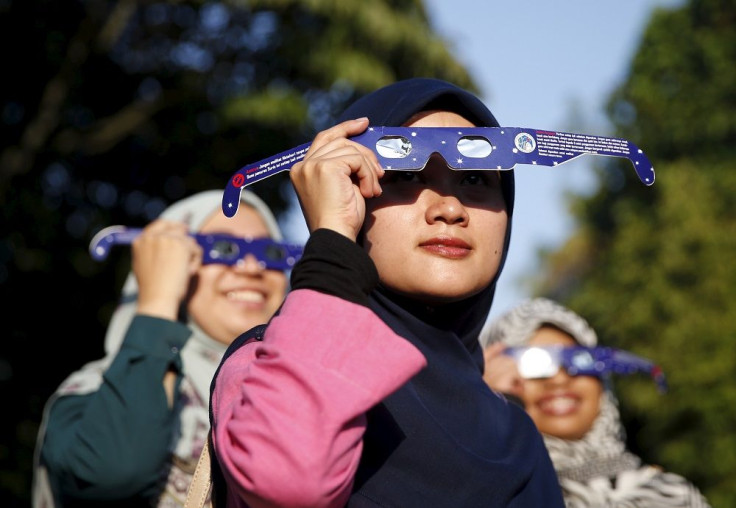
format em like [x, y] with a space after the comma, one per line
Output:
[193, 211]
[596, 470]
[200, 356]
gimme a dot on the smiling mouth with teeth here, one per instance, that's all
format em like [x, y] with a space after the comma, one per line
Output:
[247, 296]
[559, 405]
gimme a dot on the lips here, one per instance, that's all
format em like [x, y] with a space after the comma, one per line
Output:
[448, 247]
[246, 296]
[559, 405]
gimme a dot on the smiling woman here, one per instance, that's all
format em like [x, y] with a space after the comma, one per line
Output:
[577, 414]
[128, 430]
[565, 410]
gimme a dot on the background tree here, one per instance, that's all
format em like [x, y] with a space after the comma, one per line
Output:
[112, 109]
[652, 268]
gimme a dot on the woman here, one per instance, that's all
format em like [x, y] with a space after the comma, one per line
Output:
[577, 415]
[128, 429]
[367, 389]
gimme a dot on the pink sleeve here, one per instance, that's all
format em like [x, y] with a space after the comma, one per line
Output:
[289, 412]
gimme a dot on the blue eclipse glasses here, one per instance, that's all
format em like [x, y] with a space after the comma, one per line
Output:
[216, 248]
[469, 148]
[536, 362]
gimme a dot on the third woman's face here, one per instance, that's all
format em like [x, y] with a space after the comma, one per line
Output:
[563, 406]
[437, 235]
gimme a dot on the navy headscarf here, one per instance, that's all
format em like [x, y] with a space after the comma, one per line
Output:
[393, 106]
[444, 438]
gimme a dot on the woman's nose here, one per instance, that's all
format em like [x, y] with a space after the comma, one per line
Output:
[249, 264]
[445, 208]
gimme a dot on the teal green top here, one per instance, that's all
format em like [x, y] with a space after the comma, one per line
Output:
[114, 443]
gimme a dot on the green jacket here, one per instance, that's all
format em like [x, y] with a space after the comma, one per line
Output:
[115, 443]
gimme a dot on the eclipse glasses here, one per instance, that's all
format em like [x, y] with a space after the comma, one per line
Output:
[538, 362]
[216, 248]
[468, 148]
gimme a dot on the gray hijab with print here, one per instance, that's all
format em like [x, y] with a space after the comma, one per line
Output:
[596, 470]
[200, 355]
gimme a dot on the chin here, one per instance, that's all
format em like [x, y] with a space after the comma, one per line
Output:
[442, 296]
[567, 433]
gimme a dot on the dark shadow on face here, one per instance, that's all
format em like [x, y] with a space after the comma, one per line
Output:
[401, 188]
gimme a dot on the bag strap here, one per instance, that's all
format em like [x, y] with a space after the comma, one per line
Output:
[201, 485]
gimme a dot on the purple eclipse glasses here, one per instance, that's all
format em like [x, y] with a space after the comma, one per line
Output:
[535, 362]
[468, 148]
[216, 248]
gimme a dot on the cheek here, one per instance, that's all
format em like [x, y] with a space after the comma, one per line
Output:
[588, 385]
[591, 389]
[384, 231]
[203, 284]
[277, 283]
[207, 276]
[493, 225]
[531, 392]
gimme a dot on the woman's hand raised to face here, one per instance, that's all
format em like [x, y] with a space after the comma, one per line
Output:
[500, 372]
[334, 179]
[165, 257]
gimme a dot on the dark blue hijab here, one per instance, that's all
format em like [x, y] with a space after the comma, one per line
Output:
[394, 105]
[444, 438]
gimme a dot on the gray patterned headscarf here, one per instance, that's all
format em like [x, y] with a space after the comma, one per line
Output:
[517, 327]
[595, 470]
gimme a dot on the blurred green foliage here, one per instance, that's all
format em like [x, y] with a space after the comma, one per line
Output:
[113, 109]
[653, 268]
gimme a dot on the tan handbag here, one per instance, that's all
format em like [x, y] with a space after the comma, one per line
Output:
[201, 486]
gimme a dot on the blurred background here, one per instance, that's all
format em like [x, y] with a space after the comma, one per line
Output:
[113, 109]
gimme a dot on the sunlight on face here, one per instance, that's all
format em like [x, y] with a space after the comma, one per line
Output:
[437, 235]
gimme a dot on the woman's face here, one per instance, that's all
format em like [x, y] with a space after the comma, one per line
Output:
[227, 300]
[437, 235]
[563, 406]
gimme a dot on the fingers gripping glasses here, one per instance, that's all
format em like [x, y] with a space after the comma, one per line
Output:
[537, 362]
[470, 148]
[216, 248]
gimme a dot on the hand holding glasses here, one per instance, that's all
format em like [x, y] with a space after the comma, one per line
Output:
[216, 248]
[469, 148]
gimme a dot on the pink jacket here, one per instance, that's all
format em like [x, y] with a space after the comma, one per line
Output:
[289, 412]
